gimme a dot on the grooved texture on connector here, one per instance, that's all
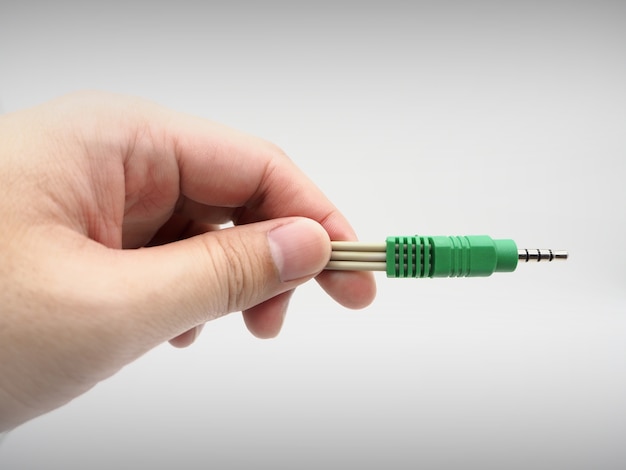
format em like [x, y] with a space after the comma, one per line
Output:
[408, 257]
[418, 256]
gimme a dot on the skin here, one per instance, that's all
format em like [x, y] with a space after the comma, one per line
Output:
[110, 241]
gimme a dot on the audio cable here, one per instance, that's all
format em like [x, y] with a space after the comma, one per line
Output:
[437, 256]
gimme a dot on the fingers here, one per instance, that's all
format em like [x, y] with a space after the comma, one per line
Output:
[245, 268]
[266, 319]
[187, 338]
[354, 290]
[252, 180]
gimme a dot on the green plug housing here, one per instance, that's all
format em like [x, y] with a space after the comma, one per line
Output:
[456, 256]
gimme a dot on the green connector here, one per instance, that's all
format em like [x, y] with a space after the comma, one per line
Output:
[468, 256]
[417, 256]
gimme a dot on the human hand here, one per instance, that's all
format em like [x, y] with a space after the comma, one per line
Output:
[110, 241]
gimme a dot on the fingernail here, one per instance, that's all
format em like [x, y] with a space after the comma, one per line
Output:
[299, 249]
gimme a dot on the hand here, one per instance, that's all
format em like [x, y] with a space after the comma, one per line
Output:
[110, 241]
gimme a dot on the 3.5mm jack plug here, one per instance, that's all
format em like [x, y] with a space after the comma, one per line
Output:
[436, 256]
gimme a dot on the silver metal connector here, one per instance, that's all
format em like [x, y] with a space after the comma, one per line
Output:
[537, 255]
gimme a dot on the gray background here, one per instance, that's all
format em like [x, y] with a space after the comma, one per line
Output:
[505, 118]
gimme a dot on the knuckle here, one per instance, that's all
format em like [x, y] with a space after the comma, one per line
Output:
[240, 284]
[275, 152]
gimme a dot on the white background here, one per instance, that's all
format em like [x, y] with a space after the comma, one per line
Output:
[438, 118]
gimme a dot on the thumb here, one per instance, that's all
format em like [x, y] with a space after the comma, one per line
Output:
[192, 281]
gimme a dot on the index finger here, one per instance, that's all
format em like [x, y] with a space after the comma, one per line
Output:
[219, 166]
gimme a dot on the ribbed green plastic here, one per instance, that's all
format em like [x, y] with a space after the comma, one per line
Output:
[457, 256]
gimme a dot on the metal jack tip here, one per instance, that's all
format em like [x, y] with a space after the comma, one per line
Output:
[538, 255]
